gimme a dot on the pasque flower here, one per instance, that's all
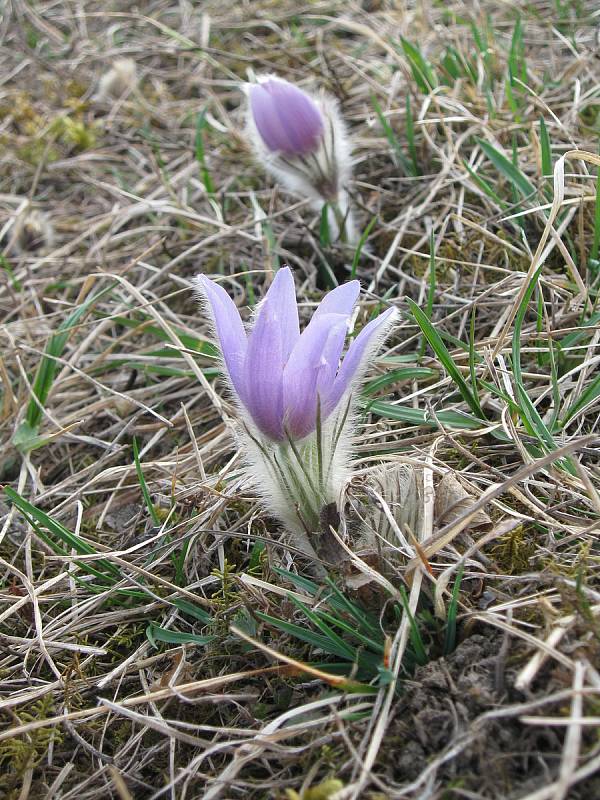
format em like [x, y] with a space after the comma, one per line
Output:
[301, 139]
[295, 392]
[283, 377]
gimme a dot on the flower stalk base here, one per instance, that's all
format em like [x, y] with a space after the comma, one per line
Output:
[300, 480]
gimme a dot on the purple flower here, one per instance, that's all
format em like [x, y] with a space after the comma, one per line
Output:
[287, 119]
[282, 376]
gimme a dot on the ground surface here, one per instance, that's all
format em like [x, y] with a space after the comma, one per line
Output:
[122, 569]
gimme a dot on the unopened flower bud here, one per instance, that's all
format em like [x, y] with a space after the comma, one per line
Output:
[301, 140]
[287, 119]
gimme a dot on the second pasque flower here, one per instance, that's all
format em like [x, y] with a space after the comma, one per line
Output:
[301, 139]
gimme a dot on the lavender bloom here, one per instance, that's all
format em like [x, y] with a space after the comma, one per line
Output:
[295, 395]
[282, 377]
[301, 140]
[288, 120]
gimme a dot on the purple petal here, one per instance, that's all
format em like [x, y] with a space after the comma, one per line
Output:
[340, 300]
[310, 371]
[263, 374]
[275, 332]
[267, 120]
[288, 120]
[229, 328]
[356, 358]
[280, 303]
[330, 363]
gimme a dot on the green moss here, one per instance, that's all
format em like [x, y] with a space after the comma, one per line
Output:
[24, 752]
[75, 133]
[125, 640]
[323, 791]
[35, 150]
[226, 595]
[513, 550]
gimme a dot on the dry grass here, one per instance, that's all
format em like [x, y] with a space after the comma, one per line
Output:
[120, 675]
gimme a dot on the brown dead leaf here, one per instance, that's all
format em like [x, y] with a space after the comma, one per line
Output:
[452, 500]
[167, 676]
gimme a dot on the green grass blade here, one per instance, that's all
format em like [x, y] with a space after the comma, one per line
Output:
[396, 376]
[452, 65]
[144, 485]
[256, 555]
[430, 290]
[516, 70]
[336, 641]
[410, 137]
[249, 290]
[11, 276]
[25, 437]
[441, 351]
[593, 262]
[308, 586]
[200, 346]
[585, 330]
[546, 149]
[518, 326]
[338, 601]
[200, 153]
[450, 636]
[157, 634]
[528, 412]
[192, 610]
[306, 635]
[473, 358]
[555, 386]
[179, 562]
[516, 59]
[484, 46]
[539, 326]
[415, 634]
[456, 420]
[326, 272]
[422, 71]
[367, 641]
[515, 192]
[589, 394]
[477, 38]
[71, 541]
[512, 173]
[359, 247]
[484, 186]
[390, 135]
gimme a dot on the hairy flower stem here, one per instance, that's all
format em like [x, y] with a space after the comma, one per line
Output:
[298, 471]
[340, 219]
[303, 477]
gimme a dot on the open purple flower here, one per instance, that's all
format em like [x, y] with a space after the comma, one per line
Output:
[287, 119]
[286, 382]
[283, 378]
